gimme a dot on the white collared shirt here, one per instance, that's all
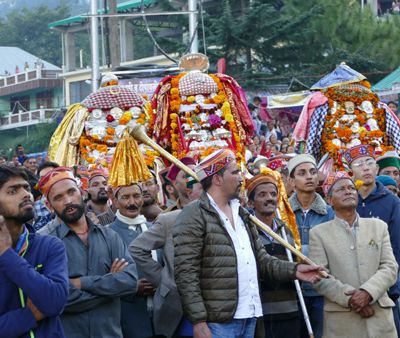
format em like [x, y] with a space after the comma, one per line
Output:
[249, 302]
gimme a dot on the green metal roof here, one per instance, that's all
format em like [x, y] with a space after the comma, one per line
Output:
[122, 7]
[67, 21]
[387, 82]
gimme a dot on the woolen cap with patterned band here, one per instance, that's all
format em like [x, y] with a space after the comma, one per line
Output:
[300, 159]
[214, 162]
[98, 172]
[332, 178]
[53, 176]
[362, 150]
[174, 169]
[255, 181]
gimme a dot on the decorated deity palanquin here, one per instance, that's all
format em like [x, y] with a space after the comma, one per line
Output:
[345, 113]
[196, 113]
[91, 130]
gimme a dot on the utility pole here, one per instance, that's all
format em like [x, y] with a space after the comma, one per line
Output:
[192, 6]
[94, 34]
[114, 40]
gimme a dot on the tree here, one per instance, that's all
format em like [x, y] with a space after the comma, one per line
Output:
[27, 29]
[302, 39]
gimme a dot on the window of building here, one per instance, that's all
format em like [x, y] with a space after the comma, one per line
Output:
[78, 91]
[44, 99]
[19, 103]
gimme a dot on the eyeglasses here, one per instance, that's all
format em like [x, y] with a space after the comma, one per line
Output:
[367, 163]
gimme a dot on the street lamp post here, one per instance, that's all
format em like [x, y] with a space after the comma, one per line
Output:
[194, 46]
[94, 32]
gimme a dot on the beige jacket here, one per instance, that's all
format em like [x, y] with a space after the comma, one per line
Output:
[365, 261]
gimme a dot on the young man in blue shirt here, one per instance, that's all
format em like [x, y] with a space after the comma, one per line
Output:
[33, 268]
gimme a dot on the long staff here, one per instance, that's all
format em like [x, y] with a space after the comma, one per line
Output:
[139, 134]
[297, 285]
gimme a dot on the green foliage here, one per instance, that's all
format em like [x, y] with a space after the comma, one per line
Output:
[27, 29]
[33, 138]
[302, 39]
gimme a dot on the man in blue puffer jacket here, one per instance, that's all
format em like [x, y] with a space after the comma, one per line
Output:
[376, 201]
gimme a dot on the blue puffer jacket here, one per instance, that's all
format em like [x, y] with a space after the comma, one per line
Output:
[382, 204]
[318, 213]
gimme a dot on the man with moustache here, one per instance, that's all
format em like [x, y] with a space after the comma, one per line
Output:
[150, 208]
[374, 200]
[357, 253]
[98, 198]
[136, 311]
[310, 210]
[279, 300]
[33, 268]
[178, 179]
[100, 268]
[219, 256]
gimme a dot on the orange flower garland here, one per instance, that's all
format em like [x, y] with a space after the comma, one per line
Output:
[336, 127]
[190, 118]
[87, 144]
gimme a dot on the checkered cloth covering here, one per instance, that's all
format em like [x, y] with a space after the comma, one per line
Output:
[392, 128]
[42, 215]
[113, 96]
[314, 139]
[195, 83]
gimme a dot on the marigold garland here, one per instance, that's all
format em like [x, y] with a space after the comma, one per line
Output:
[191, 118]
[337, 127]
[90, 143]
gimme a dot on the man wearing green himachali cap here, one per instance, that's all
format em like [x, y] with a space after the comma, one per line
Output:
[389, 165]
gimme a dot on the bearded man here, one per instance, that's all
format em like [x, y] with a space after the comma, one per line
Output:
[33, 268]
[98, 198]
[100, 267]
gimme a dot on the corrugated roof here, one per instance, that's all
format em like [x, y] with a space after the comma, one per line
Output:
[387, 82]
[122, 7]
[10, 57]
[67, 21]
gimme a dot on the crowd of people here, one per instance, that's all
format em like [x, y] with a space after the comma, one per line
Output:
[175, 257]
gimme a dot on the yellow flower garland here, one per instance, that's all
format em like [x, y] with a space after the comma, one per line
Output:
[343, 132]
[220, 100]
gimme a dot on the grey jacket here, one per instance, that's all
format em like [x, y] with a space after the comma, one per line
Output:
[167, 312]
[133, 306]
[94, 309]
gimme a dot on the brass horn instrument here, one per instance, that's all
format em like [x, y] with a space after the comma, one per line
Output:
[139, 134]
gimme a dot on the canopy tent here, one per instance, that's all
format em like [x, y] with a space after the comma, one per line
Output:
[284, 108]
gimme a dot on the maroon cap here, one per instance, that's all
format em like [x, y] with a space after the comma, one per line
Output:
[174, 170]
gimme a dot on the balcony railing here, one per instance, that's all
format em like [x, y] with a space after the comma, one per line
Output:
[27, 118]
[35, 74]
